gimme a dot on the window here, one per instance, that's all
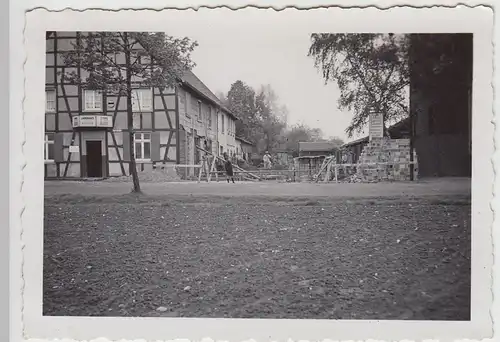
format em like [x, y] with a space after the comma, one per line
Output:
[193, 104]
[222, 123]
[142, 100]
[199, 111]
[209, 114]
[48, 152]
[50, 101]
[142, 146]
[93, 100]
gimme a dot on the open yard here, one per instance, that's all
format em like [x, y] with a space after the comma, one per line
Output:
[257, 254]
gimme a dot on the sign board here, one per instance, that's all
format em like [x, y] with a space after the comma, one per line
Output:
[376, 126]
[104, 121]
[74, 149]
[75, 121]
[87, 121]
[111, 104]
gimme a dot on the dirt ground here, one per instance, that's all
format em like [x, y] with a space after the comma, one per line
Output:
[450, 186]
[273, 256]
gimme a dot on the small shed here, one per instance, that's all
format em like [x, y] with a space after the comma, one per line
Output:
[306, 167]
[317, 148]
[282, 156]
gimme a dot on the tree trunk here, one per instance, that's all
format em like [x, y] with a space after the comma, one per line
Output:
[130, 119]
[412, 144]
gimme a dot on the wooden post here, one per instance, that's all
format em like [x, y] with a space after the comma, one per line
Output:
[235, 166]
[212, 167]
[201, 170]
[412, 112]
[327, 173]
[412, 135]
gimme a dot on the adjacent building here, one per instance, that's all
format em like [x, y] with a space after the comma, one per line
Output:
[441, 102]
[86, 130]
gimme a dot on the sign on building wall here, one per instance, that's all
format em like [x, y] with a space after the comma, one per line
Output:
[87, 121]
[104, 121]
[74, 149]
[376, 126]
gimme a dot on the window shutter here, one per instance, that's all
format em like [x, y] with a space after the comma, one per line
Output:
[126, 146]
[58, 148]
[155, 146]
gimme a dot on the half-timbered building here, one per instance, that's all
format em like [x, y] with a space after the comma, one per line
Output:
[87, 133]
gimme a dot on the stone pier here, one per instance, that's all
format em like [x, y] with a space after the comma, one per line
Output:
[390, 159]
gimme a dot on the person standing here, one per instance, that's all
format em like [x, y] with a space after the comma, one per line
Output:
[267, 160]
[229, 168]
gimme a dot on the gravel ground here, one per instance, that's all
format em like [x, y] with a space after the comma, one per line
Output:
[185, 256]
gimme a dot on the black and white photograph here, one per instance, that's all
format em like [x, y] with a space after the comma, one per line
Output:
[165, 199]
[255, 166]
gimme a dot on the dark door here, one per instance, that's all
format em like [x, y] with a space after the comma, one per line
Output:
[94, 159]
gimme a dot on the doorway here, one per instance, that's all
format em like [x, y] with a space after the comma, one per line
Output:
[94, 158]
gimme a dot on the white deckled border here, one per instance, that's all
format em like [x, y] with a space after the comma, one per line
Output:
[27, 206]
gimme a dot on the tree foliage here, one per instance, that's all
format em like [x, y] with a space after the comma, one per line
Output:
[118, 62]
[371, 71]
[260, 117]
[263, 120]
[156, 60]
[241, 101]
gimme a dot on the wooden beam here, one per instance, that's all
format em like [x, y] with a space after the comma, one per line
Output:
[212, 169]
[235, 166]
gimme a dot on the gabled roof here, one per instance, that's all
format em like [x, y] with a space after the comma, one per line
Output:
[357, 141]
[190, 80]
[317, 146]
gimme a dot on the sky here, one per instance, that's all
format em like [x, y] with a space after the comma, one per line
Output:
[263, 47]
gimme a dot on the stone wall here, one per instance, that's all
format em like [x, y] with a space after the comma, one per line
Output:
[389, 157]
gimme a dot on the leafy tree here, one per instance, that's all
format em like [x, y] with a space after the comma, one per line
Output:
[151, 59]
[270, 124]
[261, 118]
[241, 101]
[371, 71]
